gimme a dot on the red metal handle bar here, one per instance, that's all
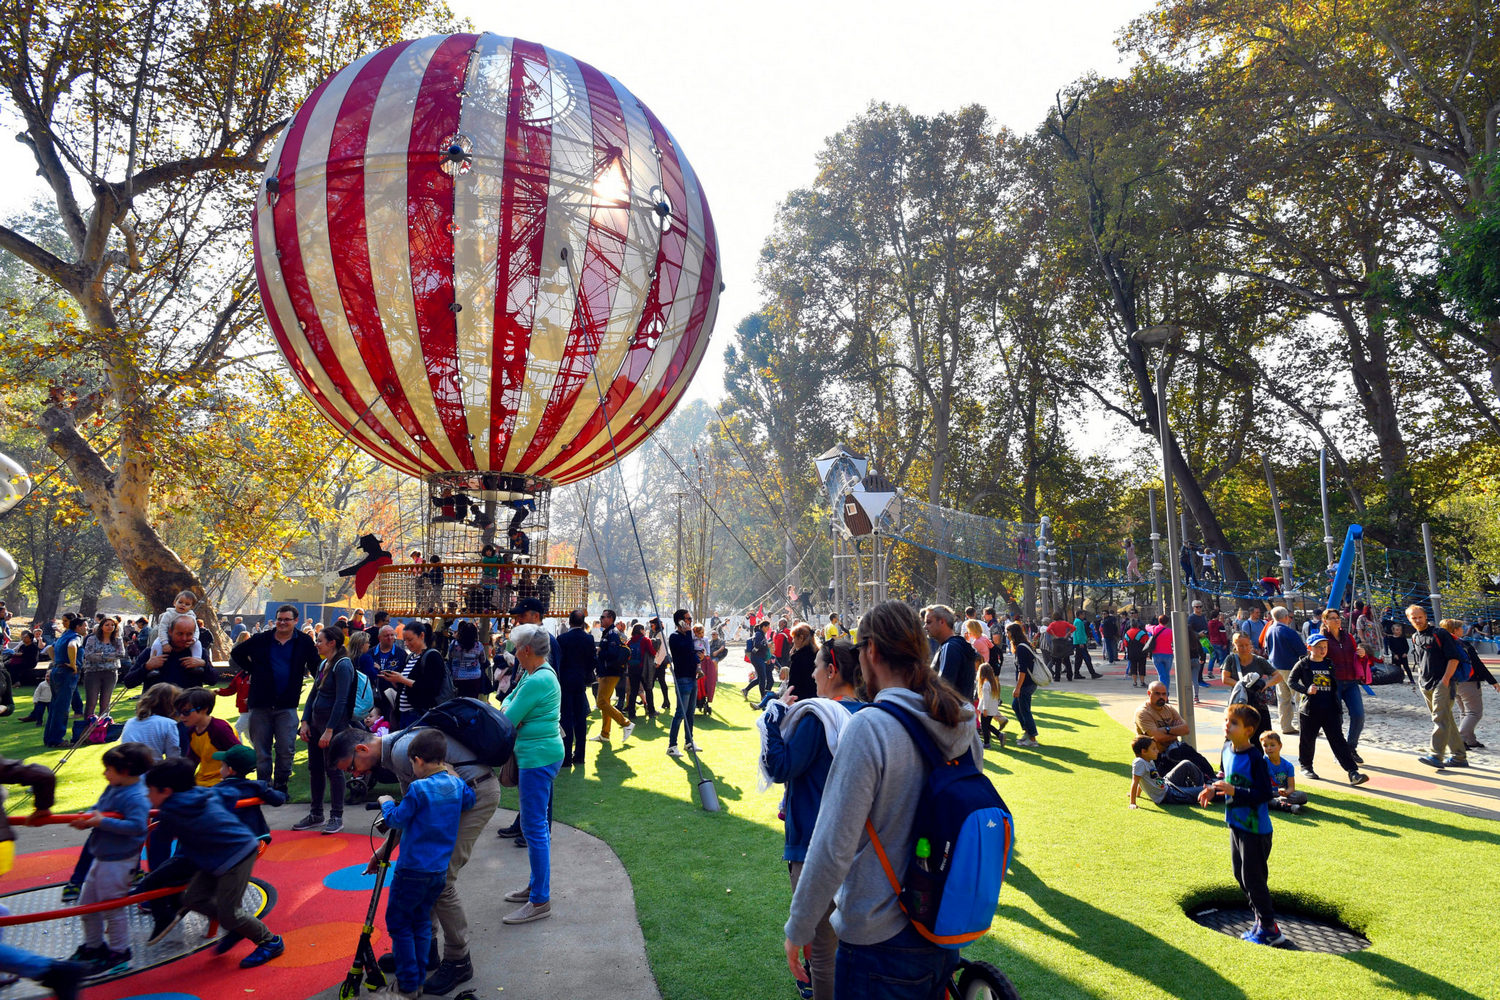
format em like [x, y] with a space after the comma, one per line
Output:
[52, 819]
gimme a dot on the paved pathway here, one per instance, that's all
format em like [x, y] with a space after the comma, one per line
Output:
[593, 905]
[1396, 731]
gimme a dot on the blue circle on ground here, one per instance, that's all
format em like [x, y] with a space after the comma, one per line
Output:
[350, 879]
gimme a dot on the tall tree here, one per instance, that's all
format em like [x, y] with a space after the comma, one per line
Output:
[162, 113]
[887, 252]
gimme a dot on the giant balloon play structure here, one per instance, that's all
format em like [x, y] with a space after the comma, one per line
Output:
[492, 267]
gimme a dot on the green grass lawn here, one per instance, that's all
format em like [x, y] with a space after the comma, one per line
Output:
[1093, 905]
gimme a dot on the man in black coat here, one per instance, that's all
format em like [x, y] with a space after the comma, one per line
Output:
[276, 662]
[175, 664]
[578, 661]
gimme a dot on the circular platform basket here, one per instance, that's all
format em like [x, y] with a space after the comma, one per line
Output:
[1305, 933]
[58, 938]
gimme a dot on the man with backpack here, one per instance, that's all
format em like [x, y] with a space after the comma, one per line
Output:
[878, 822]
[360, 753]
[276, 661]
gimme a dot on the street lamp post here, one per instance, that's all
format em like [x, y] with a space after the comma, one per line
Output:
[1185, 680]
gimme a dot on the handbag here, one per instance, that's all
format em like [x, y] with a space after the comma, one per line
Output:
[510, 773]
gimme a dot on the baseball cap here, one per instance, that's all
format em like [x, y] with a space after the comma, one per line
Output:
[239, 757]
[526, 604]
[1316, 638]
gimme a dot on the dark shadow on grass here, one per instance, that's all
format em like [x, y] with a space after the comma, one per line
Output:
[611, 767]
[1137, 950]
[1369, 811]
[1405, 979]
[727, 790]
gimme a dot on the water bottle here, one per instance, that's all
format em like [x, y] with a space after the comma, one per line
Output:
[920, 886]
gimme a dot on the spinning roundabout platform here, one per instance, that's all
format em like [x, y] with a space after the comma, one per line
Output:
[307, 887]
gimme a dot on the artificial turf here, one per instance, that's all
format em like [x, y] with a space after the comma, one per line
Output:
[1093, 905]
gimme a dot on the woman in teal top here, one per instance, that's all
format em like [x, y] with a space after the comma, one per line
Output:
[535, 707]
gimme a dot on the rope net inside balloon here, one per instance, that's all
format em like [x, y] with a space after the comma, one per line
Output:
[485, 548]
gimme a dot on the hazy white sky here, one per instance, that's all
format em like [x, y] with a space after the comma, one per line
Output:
[752, 90]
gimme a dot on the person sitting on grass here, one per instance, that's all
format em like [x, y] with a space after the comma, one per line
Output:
[1180, 787]
[428, 818]
[221, 848]
[1287, 798]
[1163, 723]
[235, 763]
[1247, 789]
[115, 844]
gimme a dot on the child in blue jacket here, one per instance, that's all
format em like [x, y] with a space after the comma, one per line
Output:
[222, 849]
[428, 819]
[115, 845]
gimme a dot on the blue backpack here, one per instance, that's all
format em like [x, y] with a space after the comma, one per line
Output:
[961, 842]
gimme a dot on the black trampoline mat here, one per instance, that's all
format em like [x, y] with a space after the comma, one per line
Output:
[1305, 933]
[58, 938]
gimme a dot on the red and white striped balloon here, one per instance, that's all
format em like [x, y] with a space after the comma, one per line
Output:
[479, 254]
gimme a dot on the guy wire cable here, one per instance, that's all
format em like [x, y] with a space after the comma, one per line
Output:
[710, 506]
[609, 428]
[775, 511]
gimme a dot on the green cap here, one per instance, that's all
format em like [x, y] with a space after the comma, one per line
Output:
[924, 849]
[239, 757]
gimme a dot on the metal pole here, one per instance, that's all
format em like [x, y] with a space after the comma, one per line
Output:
[1161, 593]
[1185, 680]
[679, 551]
[1044, 594]
[1323, 489]
[1281, 546]
[1432, 580]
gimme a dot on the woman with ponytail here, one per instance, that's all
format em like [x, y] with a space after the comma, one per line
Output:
[877, 777]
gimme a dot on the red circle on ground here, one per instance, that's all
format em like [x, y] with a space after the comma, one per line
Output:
[319, 944]
[303, 849]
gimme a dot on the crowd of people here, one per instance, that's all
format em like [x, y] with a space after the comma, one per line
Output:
[357, 694]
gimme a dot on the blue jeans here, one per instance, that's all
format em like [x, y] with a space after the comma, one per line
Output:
[535, 786]
[408, 918]
[1353, 698]
[1020, 707]
[687, 701]
[1109, 649]
[64, 686]
[23, 963]
[1220, 653]
[905, 967]
[1163, 664]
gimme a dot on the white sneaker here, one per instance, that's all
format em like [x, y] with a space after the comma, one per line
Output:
[695, 748]
[596, 739]
[629, 728]
[673, 752]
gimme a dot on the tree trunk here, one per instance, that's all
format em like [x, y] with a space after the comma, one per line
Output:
[1369, 354]
[119, 502]
[935, 493]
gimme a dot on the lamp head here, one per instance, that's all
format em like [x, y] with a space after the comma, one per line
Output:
[1160, 334]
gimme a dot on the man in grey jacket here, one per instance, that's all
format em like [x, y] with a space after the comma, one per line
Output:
[877, 775]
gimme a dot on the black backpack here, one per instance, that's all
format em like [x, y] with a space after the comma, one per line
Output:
[478, 725]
